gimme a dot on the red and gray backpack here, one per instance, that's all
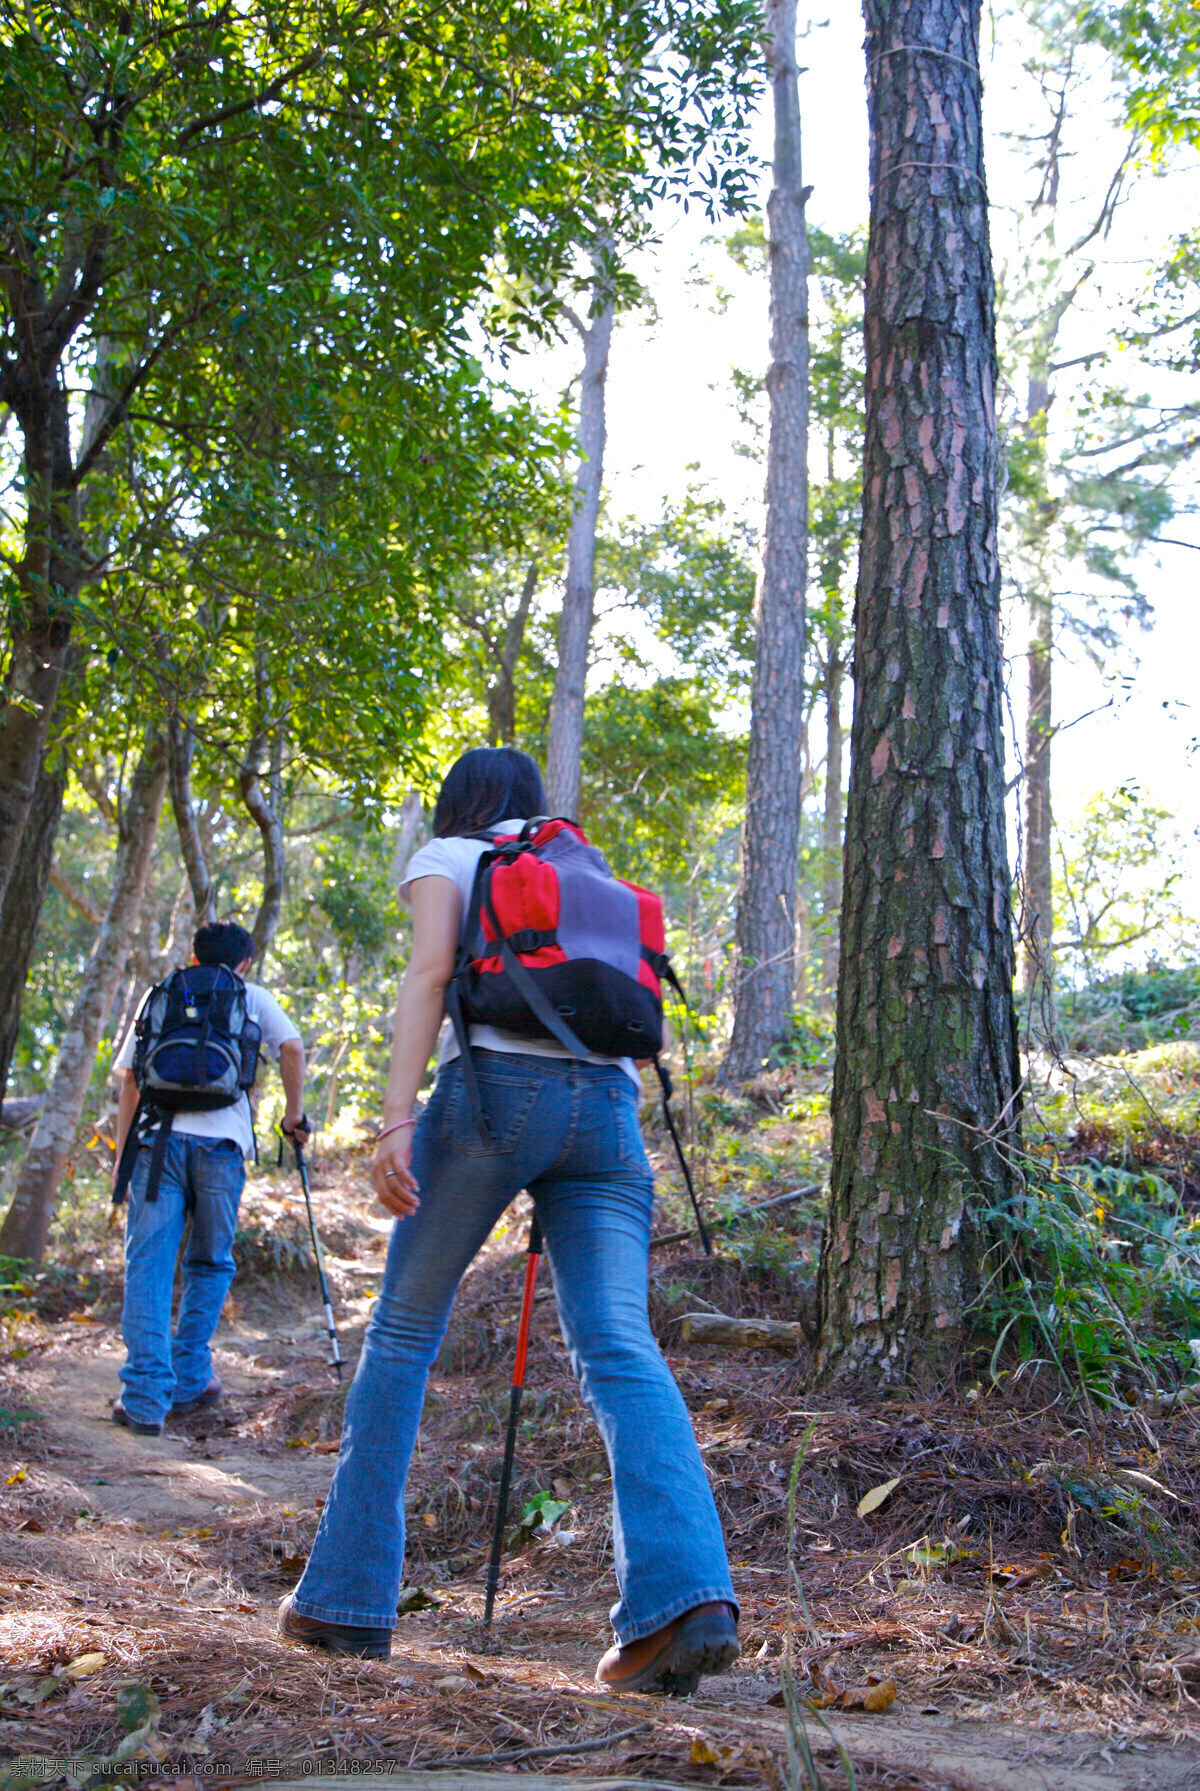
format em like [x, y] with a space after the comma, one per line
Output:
[554, 946]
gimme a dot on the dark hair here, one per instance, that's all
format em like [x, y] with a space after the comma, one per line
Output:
[222, 942]
[486, 785]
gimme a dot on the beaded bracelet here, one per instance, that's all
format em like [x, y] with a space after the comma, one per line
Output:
[398, 1127]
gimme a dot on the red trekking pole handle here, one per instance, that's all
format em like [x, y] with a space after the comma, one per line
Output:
[532, 1258]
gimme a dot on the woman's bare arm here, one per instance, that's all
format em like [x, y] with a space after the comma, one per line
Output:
[420, 1008]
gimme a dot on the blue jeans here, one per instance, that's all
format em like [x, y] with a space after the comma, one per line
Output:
[568, 1132]
[205, 1175]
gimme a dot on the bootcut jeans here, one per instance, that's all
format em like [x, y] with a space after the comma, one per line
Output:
[207, 1175]
[568, 1132]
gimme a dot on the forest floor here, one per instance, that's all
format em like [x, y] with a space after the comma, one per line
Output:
[1032, 1637]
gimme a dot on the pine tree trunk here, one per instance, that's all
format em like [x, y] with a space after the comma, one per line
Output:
[21, 912]
[831, 824]
[564, 750]
[926, 1079]
[27, 1222]
[764, 968]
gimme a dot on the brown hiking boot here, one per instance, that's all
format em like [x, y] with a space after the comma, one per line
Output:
[671, 1661]
[334, 1638]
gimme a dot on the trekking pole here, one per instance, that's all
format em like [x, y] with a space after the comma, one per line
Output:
[319, 1254]
[668, 1089]
[533, 1256]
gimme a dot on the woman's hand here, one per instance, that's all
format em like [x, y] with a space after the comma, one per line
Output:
[392, 1175]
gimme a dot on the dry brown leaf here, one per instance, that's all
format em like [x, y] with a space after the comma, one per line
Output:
[705, 1754]
[872, 1500]
[83, 1664]
[869, 1697]
[31, 1524]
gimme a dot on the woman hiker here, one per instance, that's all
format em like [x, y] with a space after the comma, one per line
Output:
[567, 1131]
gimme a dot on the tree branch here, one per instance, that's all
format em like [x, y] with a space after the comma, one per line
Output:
[273, 91]
[117, 410]
[76, 897]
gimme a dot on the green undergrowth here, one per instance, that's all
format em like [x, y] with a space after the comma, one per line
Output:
[1131, 1094]
[1095, 1271]
[1131, 1011]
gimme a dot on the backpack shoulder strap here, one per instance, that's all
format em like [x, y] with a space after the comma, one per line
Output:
[132, 1145]
[129, 1153]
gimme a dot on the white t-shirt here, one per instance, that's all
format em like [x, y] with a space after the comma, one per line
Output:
[227, 1122]
[457, 858]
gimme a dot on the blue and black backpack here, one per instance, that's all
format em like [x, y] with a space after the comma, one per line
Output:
[195, 1050]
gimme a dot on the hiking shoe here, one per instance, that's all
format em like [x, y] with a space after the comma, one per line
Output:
[121, 1416]
[210, 1396]
[671, 1661]
[334, 1638]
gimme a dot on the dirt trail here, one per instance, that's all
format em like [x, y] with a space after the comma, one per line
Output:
[168, 1556]
[175, 1476]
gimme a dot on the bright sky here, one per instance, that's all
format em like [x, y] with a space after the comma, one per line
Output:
[669, 399]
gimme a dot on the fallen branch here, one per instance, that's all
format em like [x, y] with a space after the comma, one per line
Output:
[529, 1753]
[742, 1333]
[739, 1218]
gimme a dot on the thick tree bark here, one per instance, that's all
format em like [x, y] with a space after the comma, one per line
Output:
[21, 912]
[27, 1222]
[181, 746]
[766, 903]
[926, 1081]
[831, 822]
[564, 751]
[502, 691]
[266, 811]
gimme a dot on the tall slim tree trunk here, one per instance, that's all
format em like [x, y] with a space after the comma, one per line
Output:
[181, 747]
[21, 912]
[926, 1081]
[564, 750]
[1037, 893]
[266, 811]
[27, 1222]
[502, 691]
[1037, 902]
[766, 903]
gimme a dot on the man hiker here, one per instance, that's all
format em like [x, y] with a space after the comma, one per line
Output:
[198, 1169]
